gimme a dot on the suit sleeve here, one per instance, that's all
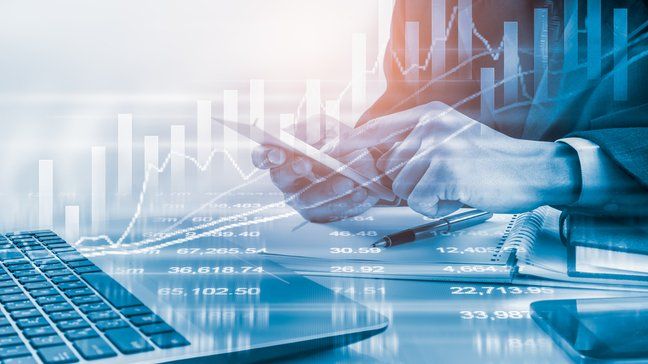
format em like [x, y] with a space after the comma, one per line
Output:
[626, 147]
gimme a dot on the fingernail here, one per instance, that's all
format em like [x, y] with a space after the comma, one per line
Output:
[276, 156]
[342, 186]
[329, 147]
[359, 195]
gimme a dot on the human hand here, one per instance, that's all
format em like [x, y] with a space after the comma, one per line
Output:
[318, 194]
[446, 156]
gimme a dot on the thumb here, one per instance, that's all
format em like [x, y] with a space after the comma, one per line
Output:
[385, 130]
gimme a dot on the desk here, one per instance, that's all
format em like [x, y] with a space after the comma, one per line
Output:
[429, 321]
[441, 323]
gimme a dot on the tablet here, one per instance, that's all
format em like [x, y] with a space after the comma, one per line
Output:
[605, 330]
[293, 144]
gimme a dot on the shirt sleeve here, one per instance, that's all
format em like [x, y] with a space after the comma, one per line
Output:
[605, 187]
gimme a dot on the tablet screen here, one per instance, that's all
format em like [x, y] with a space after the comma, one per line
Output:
[605, 329]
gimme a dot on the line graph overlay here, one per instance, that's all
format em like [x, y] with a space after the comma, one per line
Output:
[155, 169]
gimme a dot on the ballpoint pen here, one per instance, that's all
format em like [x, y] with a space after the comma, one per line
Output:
[446, 224]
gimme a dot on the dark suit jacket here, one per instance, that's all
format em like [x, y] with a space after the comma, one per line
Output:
[576, 106]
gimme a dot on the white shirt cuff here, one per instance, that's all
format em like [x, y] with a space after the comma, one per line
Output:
[599, 175]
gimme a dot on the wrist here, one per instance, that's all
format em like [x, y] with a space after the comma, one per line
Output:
[564, 177]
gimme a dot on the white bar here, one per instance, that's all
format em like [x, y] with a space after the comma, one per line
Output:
[177, 158]
[333, 119]
[98, 190]
[464, 38]
[385, 8]
[333, 109]
[570, 34]
[620, 39]
[313, 111]
[593, 25]
[203, 129]
[438, 37]
[412, 51]
[358, 75]
[124, 154]
[151, 163]
[541, 53]
[45, 193]
[230, 113]
[257, 102]
[72, 223]
[511, 62]
[487, 94]
[286, 124]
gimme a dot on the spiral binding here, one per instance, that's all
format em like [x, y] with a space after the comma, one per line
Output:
[521, 233]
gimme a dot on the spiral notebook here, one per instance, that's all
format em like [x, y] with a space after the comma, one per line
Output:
[519, 249]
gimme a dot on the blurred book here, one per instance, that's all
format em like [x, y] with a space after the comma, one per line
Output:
[602, 247]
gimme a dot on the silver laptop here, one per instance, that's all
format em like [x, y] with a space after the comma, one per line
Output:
[204, 299]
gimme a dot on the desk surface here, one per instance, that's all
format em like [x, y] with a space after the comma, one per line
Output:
[449, 322]
[429, 321]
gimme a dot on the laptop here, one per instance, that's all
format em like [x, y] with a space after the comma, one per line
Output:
[199, 301]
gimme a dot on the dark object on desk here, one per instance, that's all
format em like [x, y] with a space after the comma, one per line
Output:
[444, 225]
[604, 247]
[597, 330]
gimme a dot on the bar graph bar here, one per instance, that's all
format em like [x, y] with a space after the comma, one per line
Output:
[332, 108]
[257, 104]
[287, 124]
[570, 34]
[177, 159]
[358, 75]
[72, 226]
[203, 130]
[464, 38]
[620, 54]
[230, 113]
[412, 51]
[151, 163]
[438, 37]
[540, 52]
[45, 193]
[511, 62]
[487, 94]
[124, 155]
[593, 25]
[98, 190]
[313, 111]
[385, 8]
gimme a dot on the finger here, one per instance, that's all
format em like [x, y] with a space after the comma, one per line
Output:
[340, 208]
[409, 176]
[383, 130]
[291, 177]
[393, 162]
[446, 207]
[424, 200]
[387, 129]
[318, 194]
[265, 157]
[301, 166]
[331, 200]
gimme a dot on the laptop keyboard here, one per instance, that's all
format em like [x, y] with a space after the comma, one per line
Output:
[58, 307]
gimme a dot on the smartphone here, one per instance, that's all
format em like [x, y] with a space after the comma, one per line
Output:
[604, 330]
[293, 144]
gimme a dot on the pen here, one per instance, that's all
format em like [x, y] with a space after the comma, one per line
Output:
[444, 225]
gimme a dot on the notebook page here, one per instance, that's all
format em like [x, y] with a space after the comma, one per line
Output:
[344, 247]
